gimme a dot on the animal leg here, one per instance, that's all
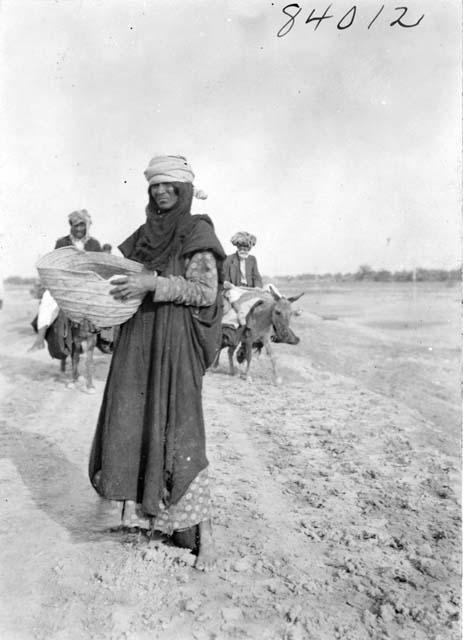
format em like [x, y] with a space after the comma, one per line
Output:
[91, 344]
[278, 379]
[75, 364]
[246, 345]
[248, 364]
[231, 351]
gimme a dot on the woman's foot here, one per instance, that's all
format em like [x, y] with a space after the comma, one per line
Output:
[207, 556]
[132, 517]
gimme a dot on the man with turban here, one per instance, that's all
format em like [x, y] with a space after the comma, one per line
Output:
[149, 449]
[240, 268]
[79, 237]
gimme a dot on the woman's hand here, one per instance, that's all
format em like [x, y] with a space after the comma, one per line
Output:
[133, 286]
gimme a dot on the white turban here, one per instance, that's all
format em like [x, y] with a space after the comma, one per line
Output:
[171, 169]
[168, 169]
[81, 215]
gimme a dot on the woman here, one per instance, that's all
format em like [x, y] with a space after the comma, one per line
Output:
[149, 445]
[240, 268]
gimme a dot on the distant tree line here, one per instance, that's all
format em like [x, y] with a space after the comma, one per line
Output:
[365, 273]
[19, 280]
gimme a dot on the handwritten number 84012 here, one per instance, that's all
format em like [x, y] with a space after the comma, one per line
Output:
[347, 20]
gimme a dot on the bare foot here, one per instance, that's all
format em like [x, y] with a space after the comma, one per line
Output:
[132, 517]
[128, 511]
[206, 558]
[246, 376]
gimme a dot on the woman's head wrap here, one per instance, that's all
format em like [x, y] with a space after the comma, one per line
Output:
[161, 235]
[171, 169]
[80, 215]
[244, 238]
[165, 234]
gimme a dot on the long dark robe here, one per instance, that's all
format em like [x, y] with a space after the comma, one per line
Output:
[149, 443]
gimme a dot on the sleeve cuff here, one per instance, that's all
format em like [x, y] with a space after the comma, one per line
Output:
[162, 293]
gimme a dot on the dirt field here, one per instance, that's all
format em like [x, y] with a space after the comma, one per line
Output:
[336, 494]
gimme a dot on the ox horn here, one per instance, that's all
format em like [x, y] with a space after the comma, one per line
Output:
[294, 298]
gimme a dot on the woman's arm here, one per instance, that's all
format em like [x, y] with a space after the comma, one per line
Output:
[199, 286]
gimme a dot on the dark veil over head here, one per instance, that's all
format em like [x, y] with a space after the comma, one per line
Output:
[163, 232]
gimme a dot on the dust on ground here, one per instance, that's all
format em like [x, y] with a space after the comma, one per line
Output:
[335, 498]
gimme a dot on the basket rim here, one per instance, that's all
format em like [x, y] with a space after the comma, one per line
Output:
[78, 287]
[83, 273]
[99, 257]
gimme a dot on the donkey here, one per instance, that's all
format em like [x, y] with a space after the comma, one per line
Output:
[84, 336]
[267, 321]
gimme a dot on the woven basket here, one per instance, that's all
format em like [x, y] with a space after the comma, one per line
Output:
[78, 281]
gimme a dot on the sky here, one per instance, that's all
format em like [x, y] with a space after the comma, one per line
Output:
[335, 147]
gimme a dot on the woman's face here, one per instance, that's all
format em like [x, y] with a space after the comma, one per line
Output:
[164, 195]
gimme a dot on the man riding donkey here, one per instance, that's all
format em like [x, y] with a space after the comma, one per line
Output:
[64, 337]
[253, 315]
[80, 238]
[240, 274]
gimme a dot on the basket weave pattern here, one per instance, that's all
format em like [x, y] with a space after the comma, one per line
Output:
[78, 281]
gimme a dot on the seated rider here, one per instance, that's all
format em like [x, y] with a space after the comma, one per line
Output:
[78, 237]
[240, 268]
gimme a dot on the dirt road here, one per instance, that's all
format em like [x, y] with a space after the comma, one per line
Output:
[336, 505]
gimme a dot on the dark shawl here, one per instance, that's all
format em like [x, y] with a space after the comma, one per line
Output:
[164, 234]
[149, 443]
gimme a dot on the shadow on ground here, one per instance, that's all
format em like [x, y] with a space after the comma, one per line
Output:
[57, 486]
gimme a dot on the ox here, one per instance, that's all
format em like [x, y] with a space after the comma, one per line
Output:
[267, 321]
[67, 338]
